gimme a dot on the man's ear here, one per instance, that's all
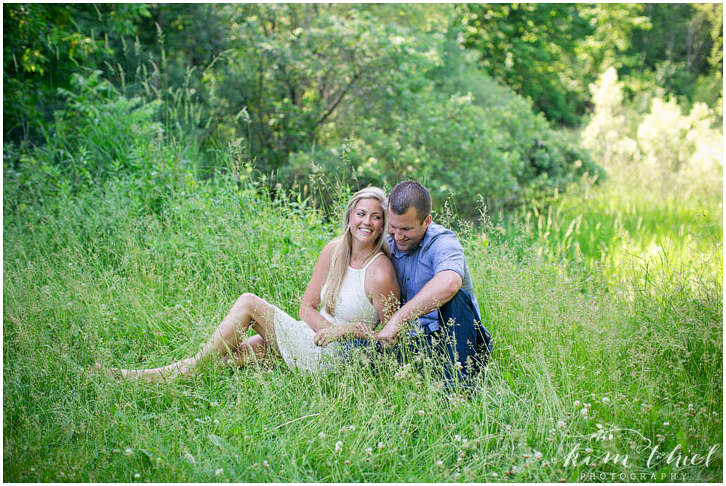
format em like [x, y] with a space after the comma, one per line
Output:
[428, 220]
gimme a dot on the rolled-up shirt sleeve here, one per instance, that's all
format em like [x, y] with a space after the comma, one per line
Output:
[448, 254]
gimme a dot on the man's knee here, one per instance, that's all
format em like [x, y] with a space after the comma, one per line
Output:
[460, 318]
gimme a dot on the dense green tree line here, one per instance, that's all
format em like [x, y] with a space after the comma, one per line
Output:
[552, 52]
[453, 95]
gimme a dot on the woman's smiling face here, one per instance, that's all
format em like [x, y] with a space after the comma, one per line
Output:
[366, 220]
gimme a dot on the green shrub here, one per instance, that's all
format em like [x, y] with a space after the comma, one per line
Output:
[659, 145]
[100, 131]
[462, 151]
[101, 136]
[469, 139]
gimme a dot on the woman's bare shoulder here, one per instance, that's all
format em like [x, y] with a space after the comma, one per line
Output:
[330, 247]
[382, 269]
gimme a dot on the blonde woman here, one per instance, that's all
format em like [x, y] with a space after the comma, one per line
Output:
[353, 279]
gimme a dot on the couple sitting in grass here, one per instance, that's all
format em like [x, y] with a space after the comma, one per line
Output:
[360, 278]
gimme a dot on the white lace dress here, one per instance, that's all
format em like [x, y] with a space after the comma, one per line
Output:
[295, 338]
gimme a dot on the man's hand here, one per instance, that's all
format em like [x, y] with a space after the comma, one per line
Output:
[325, 336]
[389, 334]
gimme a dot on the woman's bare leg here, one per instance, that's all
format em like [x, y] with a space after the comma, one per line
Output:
[251, 350]
[248, 311]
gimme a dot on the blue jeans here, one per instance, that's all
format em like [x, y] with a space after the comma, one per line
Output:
[462, 341]
[460, 348]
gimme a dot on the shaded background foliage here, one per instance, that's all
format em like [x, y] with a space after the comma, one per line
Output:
[474, 100]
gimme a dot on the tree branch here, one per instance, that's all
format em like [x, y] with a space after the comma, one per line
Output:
[342, 94]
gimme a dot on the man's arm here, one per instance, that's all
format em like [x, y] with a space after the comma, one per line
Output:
[437, 292]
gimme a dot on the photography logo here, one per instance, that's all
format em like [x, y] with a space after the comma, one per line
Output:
[605, 448]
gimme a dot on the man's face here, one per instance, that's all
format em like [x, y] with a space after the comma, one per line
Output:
[406, 229]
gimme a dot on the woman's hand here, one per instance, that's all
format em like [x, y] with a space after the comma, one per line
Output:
[326, 336]
[351, 330]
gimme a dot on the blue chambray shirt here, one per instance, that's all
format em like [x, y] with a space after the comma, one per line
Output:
[439, 250]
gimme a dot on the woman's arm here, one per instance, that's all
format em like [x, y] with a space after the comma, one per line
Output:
[381, 286]
[311, 299]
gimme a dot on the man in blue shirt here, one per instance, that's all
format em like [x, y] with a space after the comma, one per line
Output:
[436, 288]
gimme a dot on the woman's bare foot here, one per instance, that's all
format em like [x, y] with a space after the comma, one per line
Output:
[115, 373]
[164, 373]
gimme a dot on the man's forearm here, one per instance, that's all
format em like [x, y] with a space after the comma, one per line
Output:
[437, 292]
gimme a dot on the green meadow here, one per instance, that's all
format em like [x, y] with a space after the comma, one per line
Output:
[160, 160]
[596, 357]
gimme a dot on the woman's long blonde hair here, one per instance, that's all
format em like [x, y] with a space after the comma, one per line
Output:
[340, 257]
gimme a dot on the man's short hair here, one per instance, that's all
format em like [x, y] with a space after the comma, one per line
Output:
[407, 194]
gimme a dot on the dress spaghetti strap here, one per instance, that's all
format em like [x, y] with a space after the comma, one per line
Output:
[371, 260]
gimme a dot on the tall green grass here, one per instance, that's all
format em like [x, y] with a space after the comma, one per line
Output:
[101, 275]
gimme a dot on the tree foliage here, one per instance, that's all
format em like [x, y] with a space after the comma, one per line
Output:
[303, 64]
[531, 48]
[552, 52]
[371, 93]
[43, 44]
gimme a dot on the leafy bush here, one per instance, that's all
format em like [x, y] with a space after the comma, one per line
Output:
[461, 151]
[661, 146]
[470, 140]
[100, 131]
[100, 136]
[44, 43]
